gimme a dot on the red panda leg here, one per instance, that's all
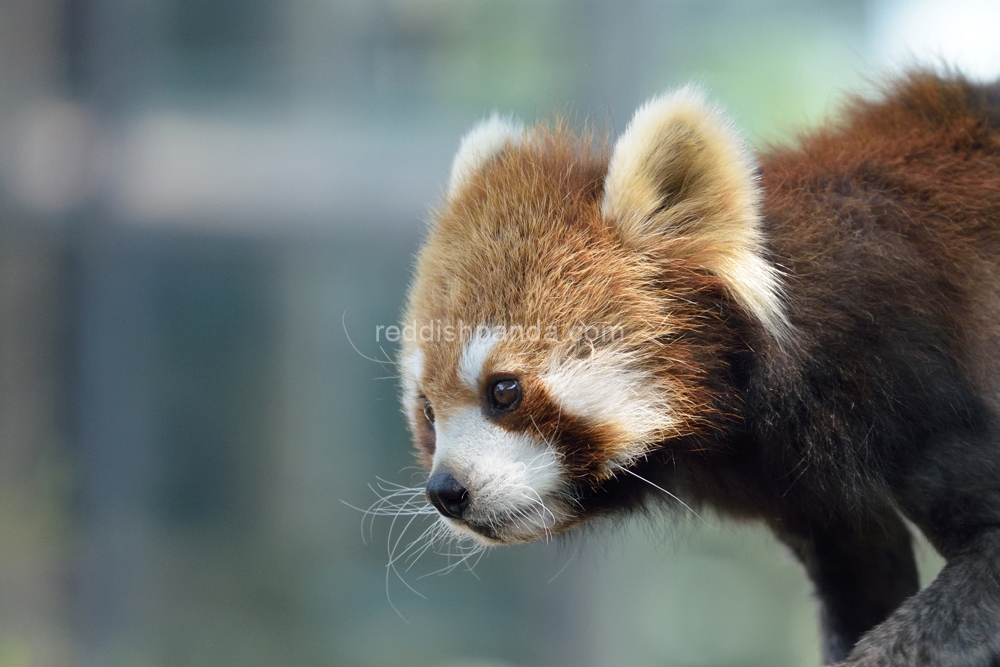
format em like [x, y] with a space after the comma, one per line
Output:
[861, 576]
[955, 621]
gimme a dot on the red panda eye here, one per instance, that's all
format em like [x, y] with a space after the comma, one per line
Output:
[428, 412]
[505, 394]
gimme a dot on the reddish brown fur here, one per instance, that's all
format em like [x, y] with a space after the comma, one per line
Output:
[919, 173]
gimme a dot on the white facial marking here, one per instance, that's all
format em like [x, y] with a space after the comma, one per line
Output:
[474, 355]
[413, 364]
[605, 389]
[481, 143]
[515, 481]
[411, 369]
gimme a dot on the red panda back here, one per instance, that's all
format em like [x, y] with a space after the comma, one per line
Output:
[895, 213]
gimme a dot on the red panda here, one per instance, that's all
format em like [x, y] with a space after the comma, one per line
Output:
[808, 338]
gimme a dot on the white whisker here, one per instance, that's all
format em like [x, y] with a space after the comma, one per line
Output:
[660, 488]
[405, 505]
[565, 565]
[388, 359]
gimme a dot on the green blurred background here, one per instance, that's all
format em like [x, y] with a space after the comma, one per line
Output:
[197, 197]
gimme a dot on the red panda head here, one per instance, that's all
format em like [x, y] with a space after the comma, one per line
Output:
[573, 309]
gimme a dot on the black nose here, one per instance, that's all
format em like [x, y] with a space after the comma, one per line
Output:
[447, 494]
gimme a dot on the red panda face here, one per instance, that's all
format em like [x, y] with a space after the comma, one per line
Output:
[567, 319]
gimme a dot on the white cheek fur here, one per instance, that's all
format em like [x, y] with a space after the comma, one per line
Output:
[604, 388]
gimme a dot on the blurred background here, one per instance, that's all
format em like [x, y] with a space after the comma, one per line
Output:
[200, 199]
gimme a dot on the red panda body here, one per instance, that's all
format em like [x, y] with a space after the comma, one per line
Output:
[809, 340]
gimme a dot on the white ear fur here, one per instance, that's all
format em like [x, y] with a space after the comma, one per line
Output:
[479, 144]
[681, 174]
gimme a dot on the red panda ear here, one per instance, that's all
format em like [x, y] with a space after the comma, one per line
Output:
[482, 142]
[681, 179]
